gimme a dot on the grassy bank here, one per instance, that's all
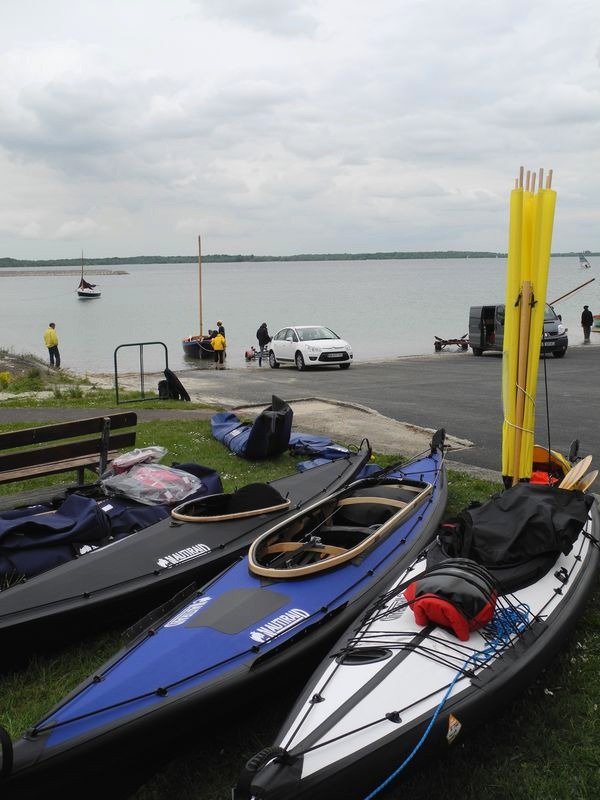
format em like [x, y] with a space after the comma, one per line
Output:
[542, 746]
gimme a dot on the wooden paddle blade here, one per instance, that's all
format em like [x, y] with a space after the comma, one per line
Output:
[573, 475]
[584, 483]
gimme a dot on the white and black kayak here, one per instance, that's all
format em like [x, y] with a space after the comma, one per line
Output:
[445, 646]
[273, 612]
[128, 577]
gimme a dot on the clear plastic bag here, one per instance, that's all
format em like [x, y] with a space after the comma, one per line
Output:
[138, 456]
[152, 484]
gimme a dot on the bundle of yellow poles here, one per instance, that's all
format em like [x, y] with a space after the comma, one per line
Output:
[529, 245]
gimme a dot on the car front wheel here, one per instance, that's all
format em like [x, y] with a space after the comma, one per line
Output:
[559, 353]
[273, 363]
[344, 366]
[300, 361]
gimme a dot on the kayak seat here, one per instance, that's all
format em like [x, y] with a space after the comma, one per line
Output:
[296, 554]
[367, 511]
[347, 536]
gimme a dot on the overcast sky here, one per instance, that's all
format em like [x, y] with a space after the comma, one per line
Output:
[292, 126]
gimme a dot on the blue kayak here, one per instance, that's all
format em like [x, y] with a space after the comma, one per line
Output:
[271, 613]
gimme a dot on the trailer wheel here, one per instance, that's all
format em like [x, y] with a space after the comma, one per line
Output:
[477, 351]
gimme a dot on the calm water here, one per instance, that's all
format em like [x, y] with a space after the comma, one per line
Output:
[384, 308]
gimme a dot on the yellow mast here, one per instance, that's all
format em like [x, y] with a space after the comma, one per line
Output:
[200, 280]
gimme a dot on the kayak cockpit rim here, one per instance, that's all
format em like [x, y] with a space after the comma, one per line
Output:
[323, 537]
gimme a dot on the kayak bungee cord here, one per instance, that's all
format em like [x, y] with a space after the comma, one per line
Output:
[510, 621]
[501, 630]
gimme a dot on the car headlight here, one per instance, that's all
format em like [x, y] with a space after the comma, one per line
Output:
[312, 349]
[561, 329]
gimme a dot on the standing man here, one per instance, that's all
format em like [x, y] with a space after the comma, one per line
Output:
[262, 334]
[587, 320]
[51, 342]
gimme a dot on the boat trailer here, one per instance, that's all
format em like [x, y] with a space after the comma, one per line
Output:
[441, 344]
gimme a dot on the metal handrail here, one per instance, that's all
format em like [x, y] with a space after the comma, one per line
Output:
[141, 345]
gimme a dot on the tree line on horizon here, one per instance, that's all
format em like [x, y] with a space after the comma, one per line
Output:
[225, 257]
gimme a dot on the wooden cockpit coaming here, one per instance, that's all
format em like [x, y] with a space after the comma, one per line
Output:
[337, 530]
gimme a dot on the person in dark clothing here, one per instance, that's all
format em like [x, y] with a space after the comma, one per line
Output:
[262, 334]
[587, 320]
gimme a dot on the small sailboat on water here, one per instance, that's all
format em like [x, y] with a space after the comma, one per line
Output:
[85, 290]
[583, 262]
[198, 345]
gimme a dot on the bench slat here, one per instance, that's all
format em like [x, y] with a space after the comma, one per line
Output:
[82, 444]
[72, 451]
[30, 497]
[64, 430]
[53, 468]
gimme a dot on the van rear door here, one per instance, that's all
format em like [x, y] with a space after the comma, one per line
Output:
[486, 329]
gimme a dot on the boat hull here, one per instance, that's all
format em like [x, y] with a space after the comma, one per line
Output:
[346, 746]
[123, 580]
[197, 347]
[226, 643]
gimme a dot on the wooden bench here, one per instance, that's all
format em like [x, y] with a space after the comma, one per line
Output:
[78, 445]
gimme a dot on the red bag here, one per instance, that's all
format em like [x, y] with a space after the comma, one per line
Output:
[457, 594]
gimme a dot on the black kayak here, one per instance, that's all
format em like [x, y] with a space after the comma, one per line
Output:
[133, 575]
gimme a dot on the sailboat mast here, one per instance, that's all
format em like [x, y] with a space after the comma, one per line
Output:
[200, 281]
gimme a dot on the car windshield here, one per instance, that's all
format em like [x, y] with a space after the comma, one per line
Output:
[550, 314]
[314, 333]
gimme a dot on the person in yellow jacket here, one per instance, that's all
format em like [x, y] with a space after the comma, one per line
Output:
[218, 345]
[51, 342]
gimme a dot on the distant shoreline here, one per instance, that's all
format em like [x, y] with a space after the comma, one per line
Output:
[13, 263]
[32, 273]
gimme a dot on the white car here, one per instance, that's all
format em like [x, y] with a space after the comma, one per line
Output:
[308, 346]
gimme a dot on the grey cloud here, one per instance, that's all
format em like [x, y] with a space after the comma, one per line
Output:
[279, 17]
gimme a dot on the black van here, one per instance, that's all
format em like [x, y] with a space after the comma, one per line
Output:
[486, 330]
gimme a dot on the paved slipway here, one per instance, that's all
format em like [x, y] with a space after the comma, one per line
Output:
[395, 403]
[345, 422]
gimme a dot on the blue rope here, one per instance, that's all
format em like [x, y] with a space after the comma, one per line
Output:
[506, 623]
